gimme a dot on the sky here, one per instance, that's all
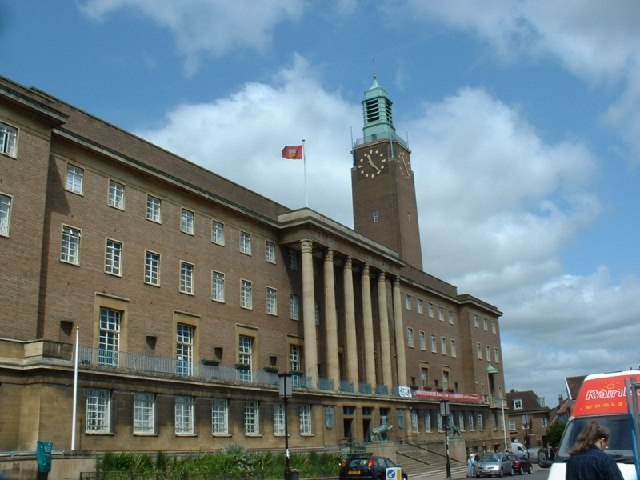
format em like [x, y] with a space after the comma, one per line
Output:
[523, 118]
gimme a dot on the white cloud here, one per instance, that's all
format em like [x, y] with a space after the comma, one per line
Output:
[213, 27]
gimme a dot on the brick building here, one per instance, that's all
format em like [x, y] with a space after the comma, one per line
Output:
[528, 418]
[189, 293]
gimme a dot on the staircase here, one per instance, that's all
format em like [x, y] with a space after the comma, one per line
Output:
[419, 460]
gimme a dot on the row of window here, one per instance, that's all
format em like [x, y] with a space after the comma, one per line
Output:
[544, 423]
[485, 324]
[487, 355]
[462, 420]
[422, 336]
[431, 309]
[99, 415]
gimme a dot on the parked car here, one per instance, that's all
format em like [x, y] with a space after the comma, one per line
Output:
[494, 465]
[521, 464]
[367, 467]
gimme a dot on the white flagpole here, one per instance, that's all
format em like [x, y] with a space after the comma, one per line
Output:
[304, 159]
[75, 391]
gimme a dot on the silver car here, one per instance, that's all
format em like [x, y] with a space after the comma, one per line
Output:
[494, 465]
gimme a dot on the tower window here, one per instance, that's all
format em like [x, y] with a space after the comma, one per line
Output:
[376, 216]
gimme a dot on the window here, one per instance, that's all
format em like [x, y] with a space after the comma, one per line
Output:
[423, 340]
[70, 245]
[245, 243]
[152, 268]
[434, 344]
[144, 407]
[74, 179]
[184, 413]
[246, 300]
[414, 421]
[251, 418]
[493, 327]
[113, 257]
[5, 213]
[115, 197]
[476, 321]
[517, 404]
[431, 309]
[295, 358]
[278, 419]
[471, 425]
[109, 336]
[407, 302]
[487, 353]
[400, 417]
[479, 350]
[185, 335]
[217, 232]
[424, 377]
[419, 306]
[245, 357]
[270, 251]
[98, 411]
[409, 337]
[187, 222]
[451, 317]
[186, 278]
[445, 380]
[441, 314]
[427, 421]
[272, 301]
[329, 418]
[512, 424]
[220, 416]
[485, 325]
[305, 419]
[293, 260]
[453, 349]
[443, 345]
[545, 422]
[480, 421]
[217, 286]
[8, 140]
[294, 307]
[153, 209]
[496, 356]
[376, 216]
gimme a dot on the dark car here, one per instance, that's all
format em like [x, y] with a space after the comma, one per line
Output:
[367, 467]
[521, 464]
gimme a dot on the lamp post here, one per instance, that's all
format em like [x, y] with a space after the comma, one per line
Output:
[526, 425]
[444, 413]
[284, 391]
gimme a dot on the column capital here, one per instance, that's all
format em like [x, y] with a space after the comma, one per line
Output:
[307, 246]
[348, 263]
[328, 255]
[365, 269]
[382, 277]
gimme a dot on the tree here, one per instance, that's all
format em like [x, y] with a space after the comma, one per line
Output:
[554, 433]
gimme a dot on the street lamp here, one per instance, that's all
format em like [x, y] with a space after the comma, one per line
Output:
[444, 413]
[284, 391]
[526, 425]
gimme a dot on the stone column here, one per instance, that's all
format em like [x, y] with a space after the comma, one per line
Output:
[308, 316]
[399, 331]
[367, 318]
[385, 338]
[351, 352]
[331, 322]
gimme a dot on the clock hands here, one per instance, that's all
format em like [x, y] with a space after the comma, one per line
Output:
[373, 164]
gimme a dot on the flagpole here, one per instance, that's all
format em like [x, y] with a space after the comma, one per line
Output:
[304, 159]
[75, 391]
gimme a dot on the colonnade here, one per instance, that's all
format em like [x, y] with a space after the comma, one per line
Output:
[351, 344]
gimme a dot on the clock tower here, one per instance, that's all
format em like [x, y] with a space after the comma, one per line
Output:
[384, 195]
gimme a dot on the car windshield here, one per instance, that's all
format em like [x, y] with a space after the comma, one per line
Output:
[358, 462]
[619, 443]
[487, 458]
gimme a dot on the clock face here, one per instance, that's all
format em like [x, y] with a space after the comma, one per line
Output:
[371, 163]
[404, 165]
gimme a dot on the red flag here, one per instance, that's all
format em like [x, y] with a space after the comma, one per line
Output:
[293, 152]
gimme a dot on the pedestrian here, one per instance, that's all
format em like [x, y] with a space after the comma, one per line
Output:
[471, 465]
[587, 460]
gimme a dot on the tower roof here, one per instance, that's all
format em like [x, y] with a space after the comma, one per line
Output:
[377, 111]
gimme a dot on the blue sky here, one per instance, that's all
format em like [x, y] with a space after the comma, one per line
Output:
[523, 118]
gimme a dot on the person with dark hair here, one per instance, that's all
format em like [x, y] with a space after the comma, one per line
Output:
[587, 459]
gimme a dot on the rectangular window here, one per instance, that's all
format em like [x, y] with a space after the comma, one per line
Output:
[278, 419]
[443, 345]
[476, 321]
[409, 337]
[294, 307]
[217, 232]
[414, 421]
[185, 335]
[454, 350]
[431, 309]
[115, 198]
[419, 306]
[496, 356]
[272, 301]
[479, 350]
[187, 222]
[186, 278]
[329, 418]
[487, 352]
[293, 260]
[217, 286]
[512, 424]
[305, 419]
[493, 327]
[517, 404]
[400, 417]
[98, 410]
[471, 424]
[545, 422]
[184, 415]
[245, 243]
[220, 416]
[441, 314]
[485, 324]
[109, 336]
[74, 179]
[295, 358]
[8, 140]
[434, 344]
[113, 257]
[461, 421]
[451, 322]
[152, 268]
[270, 251]
[423, 340]
[144, 407]
[246, 299]
[480, 421]
[407, 302]
[251, 418]
[5, 214]
[154, 212]
[424, 378]
[445, 380]
[427, 421]
[245, 358]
